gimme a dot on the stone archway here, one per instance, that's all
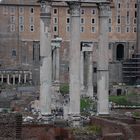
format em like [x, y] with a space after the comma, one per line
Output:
[120, 52]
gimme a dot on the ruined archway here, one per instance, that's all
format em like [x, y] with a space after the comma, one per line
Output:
[120, 52]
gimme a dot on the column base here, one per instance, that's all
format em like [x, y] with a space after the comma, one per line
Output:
[74, 120]
[46, 118]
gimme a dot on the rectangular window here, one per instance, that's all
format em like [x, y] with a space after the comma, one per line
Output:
[110, 29]
[5, 10]
[68, 28]
[12, 19]
[109, 20]
[127, 29]
[21, 10]
[31, 28]
[119, 5]
[12, 10]
[55, 28]
[21, 19]
[82, 11]
[93, 20]
[93, 11]
[55, 20]
[21, 28]
[82, 21]
[128, 18]
[55, 11]
[13, 52]
[119, 19]
[31, 10]
[12, 27]
[82, 29]
[134, 29]
[68, 11]
[68, 20]
[135, 14]
[31, 20]
[93, 29]
[135, 20]
[118, 29]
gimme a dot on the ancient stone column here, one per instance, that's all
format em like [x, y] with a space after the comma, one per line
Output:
[82, 71]
[90, 76]
[25, 78]
[19, 78]
[138, 27]
[13, 79]
[46, 58]
[57, 65]
[74, 72]
[102, 63]
[8, 79]
[54, 64]
[1, 78]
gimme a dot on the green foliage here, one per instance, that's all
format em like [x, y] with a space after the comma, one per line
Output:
[64, 89]
[125, 100]
[136, 114]
[119, 100]
[87, 106]
[88, 130]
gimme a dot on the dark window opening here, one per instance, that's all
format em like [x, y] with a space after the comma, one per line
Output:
[95, 70]
[119, 92]
[120, 52]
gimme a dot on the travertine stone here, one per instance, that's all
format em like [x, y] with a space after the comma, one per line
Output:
[102, 63]
[8, 79]
[74, 57]
[46, 58]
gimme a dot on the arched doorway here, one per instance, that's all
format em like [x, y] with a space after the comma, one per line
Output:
[120, 52]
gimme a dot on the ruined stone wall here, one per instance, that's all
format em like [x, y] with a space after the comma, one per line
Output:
[10, 126]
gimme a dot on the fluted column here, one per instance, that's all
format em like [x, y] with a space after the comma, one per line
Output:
[74, 72]
[46, 58]
[102, 63]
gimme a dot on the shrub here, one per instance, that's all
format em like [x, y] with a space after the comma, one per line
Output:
[64, 89]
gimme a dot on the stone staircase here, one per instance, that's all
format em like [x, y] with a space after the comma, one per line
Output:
[131, 70]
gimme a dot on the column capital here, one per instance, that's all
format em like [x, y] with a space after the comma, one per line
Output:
[104, 9]
[74, 8]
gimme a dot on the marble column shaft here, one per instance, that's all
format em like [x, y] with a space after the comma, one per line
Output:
[90, 75]
[57, 65]
[46, 59]
[13, 79]
[1, 78]
[19, 78]
[102, 63]
[8, 79]
[82, 70]
[74, 58]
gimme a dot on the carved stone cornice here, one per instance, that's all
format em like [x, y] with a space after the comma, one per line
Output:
[74, 8]
[104, 9]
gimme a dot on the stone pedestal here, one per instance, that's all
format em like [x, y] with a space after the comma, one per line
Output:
[74, 58]
[102, 63]
[46, 58]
